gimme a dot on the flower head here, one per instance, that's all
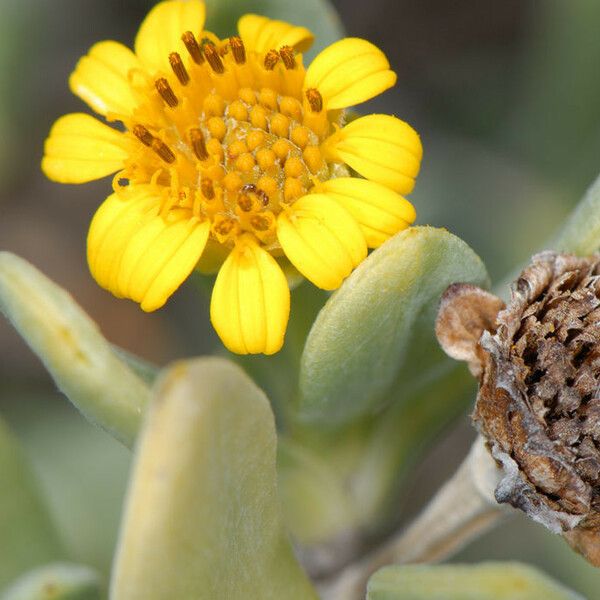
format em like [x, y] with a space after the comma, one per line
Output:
[233, 157]
[538, 404]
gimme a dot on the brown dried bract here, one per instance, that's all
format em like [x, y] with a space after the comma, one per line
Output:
[539, 397]
[465, 312]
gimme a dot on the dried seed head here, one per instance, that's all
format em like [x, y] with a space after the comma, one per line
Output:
[539, 398]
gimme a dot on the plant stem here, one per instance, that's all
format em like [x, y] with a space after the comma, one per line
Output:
[463, 509]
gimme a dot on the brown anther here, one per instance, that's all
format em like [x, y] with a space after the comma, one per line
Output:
[271, 59]
[208, 190]
[287, 56]
[179, 68]
[260, 223]
[142, 134]
[163, 150]
[198, 144]
[245, 202]
[315, 100]
[166, 92]
[238, 49]
[189, 39]
[212, 56]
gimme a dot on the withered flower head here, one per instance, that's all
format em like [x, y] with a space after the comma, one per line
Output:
[538, 406]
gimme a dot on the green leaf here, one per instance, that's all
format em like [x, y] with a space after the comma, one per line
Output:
[81, 361]
[317, 15]
[202, 517]
[377, 329]
[348, 484]
[315, 501]
[56, 582]
[485, 581]
[27, 535]
[581, 233]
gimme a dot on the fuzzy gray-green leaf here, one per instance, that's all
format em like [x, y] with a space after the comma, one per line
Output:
[81, 361]
[27, 535]
[581, 233]
[203, 516]
[485, 581]
[378, 327]
[59, 581]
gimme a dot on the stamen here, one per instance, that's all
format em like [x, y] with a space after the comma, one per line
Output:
[179, 68]
[315, 100]
[166, 91]
[287, 56]
[208, 190]
[212, 56]
[189, 39]
[163, 150]
[271, 59]
[238, 49]
[143, 135]
[198, 144]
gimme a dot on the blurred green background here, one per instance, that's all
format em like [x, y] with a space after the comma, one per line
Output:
[506, 96]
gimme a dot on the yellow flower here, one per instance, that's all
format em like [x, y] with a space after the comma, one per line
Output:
[233, 156]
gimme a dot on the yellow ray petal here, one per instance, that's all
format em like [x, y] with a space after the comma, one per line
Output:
[250, 303]
[159, 257]
[160, 33]
[177, 268]
[379, 211]
[101, 78]
[349, 72]
[135, 253]
[117, 219]
[261, 34]
[321, 239]
[80, 148]
[381, 148]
